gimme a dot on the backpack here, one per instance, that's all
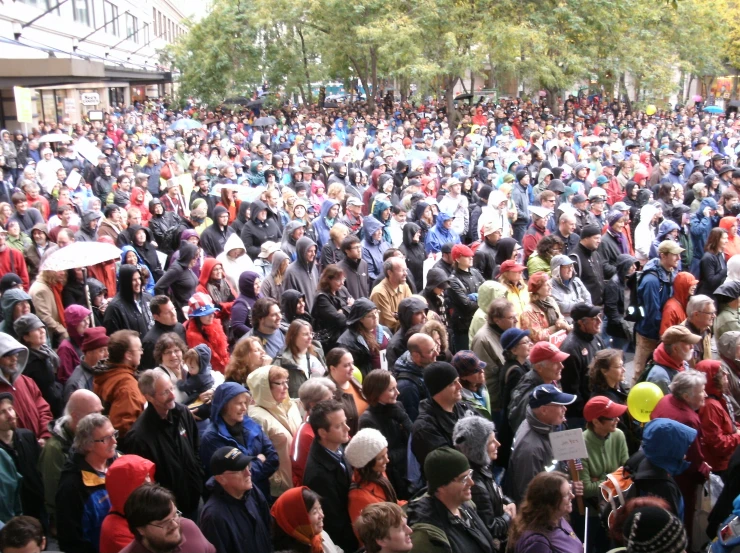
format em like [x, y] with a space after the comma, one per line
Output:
[618, 488]
[635, 312]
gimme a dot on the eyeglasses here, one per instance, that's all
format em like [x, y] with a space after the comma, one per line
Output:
[282, 383]
[468, 476]
[108, 438]
[169, 523]
[710, 313]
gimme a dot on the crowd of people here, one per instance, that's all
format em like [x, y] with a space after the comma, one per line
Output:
[354, 329]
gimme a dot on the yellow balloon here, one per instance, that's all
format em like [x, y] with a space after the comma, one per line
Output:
[651, 109]
[357, 374]
[642, 399]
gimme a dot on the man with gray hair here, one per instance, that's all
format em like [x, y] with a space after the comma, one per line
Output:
[54, 454]
[166, 434]
[82, 500]
[391, 290]
[671, 357]
[700, 316]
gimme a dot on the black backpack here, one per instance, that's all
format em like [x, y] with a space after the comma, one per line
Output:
[635, 312]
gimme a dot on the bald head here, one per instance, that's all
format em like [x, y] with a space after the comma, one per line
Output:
[82, 403]
[423, 349]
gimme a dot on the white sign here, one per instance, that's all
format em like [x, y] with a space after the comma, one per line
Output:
[90, 98]
[88, 150]
[568, 445]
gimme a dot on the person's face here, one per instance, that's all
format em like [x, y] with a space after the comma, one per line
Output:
[8, 419]
[552, 414]
[398, 538]
[134, 352]
[272, 321]
[447, 224]
[724, 239]
[697, 397]
[21, 308]
[311, 254]
[316, 518]
[104, 441]
[399, 272]
[344, 369]
[370, 321]
[304, 338]
[163, 398]
[591, 325]
[465, 262]
[566, 504]
[338, 432]
[36, 338]
[451, 394]
[551, 371]
[592, 242]
[136, 283]
[492, 446]
[671, 260]
[172, 357]
[390, 394]
[683, 350]
[567, 226]
[236, 408]
[279, 389]
[163, 535]
[300, 306]
[704, 318]
[460, 489]
[257, 357]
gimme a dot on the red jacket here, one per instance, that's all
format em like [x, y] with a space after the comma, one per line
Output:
[674, 310]
[12, 261]
[212, 336]
[299, 451]
[30, 407]
[721, 436]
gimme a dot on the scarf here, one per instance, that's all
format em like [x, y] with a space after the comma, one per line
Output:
[621, 241]
[291, 515]
[550, 307]
[57, 289]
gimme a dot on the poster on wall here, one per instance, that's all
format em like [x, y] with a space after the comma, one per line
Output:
[23, 104]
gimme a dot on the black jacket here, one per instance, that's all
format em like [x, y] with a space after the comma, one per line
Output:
[590, 270]
[614, 303]
[150, 340]
[214, 237]
[330, 254]
[324, 473]
[489, 504]
[329, 314]
[172, 444]
[723, 508]
[713, 272]
[653, 480]
[609, 251]
[406, 309]
[355, 277]
[122, 312]
[179, 282]
[627, 424]
[159, 227]
[485, 260]
[392, 421]
[147, 252]
[433, 428]
[415, 254]
[25, 452]
[256, 232]
[42, 369]
[236, 525]
[460, 308]
[570, 243]
[574, 378]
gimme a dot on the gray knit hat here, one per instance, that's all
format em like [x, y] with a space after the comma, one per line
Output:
[470, 437]
[25, 324]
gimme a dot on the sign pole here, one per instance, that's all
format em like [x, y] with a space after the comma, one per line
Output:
[575, 478]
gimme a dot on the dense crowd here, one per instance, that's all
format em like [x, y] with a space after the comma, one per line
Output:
[350, 329]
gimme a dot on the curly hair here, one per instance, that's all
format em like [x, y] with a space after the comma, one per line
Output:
[166, 341]
[238, 370]
[545, 246]
[432, 326]
[602, 363]
[541, 502]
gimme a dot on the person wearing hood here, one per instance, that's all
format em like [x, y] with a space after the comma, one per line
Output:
[411, 312]
[423, 216]
[241, 216]
[89, 227]
[129, 308]
[293, 232]
[249, 291]
[261, 227]
[674, 310]
[727, 297]
[303, 274]
[141, 240]
[615, 307]
[442, 233]
[364, 338]
[668, 230]
[702, 222]
[179, 282]
[14, 303]
[160, 226]
[111, 225]
[77, 318]
[536, 231]
[129, 256]
[728, 347]
[507, 249]
[567, 288]
[520, 196]
[646, 232]
[32, 409]
[373, 247]
[202, 328]
[719, 431]
[321, 226]
[190, 235]
[213, 282]
[230, 426]
[200, 192]
[279, 417]
[413, 249]
[125, 474]
[676, 171]
[256, 176]
[733, 242]
[214, 238]
[39, 247]
[437, 282]
[235, 260]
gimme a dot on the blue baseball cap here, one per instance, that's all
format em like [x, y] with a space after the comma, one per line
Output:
[545, 394]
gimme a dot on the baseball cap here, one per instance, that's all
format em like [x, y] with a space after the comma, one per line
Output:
[228, 458]
[467, 363]
[447, 247]
[461, 250]
[545, 351]
[578, 198]
[621, 206]
[669, 246]
[584, 311]
[597, 193]
[510, 265]
[545, 394]
[268, 248]
[355, 201]
[602, 406]
[679, 333]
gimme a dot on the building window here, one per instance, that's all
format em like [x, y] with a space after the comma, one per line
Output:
[81, 10]
[34, 3]
[132, 28]
[154, 21]
[110, 13]
[146, 33]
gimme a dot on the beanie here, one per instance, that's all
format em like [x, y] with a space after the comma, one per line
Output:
[29, 322]
[470, 438]
[94, 338]
[520, 174]
[442, 466]
[485, 192]
[439, 375]
[74, 314]
[613, 217]
[590, 230]
[365, 447]
[654, 530]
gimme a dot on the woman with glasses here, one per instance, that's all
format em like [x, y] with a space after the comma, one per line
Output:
[279, 417]
[82, 499]
[541, 523]
[168, 354]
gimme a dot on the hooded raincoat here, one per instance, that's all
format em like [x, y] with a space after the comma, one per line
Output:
[303, 275]
[438, 235]
[234, 267]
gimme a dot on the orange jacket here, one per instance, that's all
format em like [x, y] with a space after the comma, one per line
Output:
[674, 310]
[118, 389]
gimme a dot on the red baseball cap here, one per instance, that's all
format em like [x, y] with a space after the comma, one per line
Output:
[510, 265]
[461, 250]
[545, 351]
[602, 406]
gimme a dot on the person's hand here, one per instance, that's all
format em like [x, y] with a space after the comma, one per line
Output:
[577, 488]
[351, 301]
[42, 442]
[561, 324]
[707, 211]
[262, 458]
[720, 210]
[510, 510]
[206, 396]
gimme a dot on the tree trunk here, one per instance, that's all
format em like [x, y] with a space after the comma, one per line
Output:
[452, 115]
[305, 68]
[374, 70]
[364, 81]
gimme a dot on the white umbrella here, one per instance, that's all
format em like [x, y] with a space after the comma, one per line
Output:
[56, 137]
[79, 255]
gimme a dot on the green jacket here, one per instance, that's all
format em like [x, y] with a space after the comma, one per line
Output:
[727, 319]
[536, 264]
[51, 461]
[604, 457]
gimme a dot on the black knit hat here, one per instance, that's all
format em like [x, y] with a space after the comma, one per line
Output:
[654, 530]
[439, 375]
[442, 466]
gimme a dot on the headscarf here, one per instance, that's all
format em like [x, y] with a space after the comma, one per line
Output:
[289, 512]
[612, 219]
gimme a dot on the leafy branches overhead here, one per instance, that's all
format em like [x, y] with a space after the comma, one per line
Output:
[543, 44]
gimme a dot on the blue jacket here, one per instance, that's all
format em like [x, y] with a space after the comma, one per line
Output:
[217, 435]
[675, 175]
[149, 286]
[719, 545]
[520, 197]
[665, 227]
[411, 388]
[194, 385]
[321, 226]
[701, 226]
[653, 291]
[236, 525]
[665, 443]
[372, 251]
[438, 235]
